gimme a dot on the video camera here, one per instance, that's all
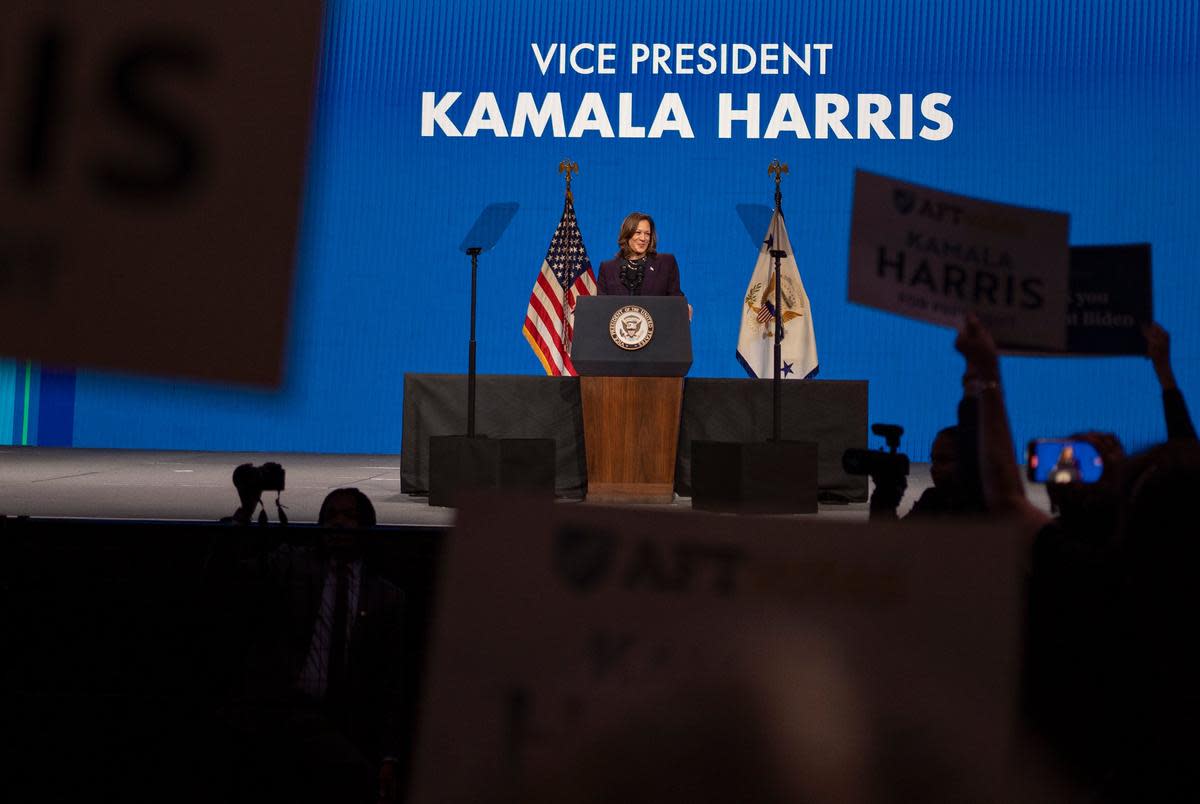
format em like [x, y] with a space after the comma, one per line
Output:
[878, 463]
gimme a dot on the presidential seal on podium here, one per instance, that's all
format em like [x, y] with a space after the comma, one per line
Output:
[631, 327]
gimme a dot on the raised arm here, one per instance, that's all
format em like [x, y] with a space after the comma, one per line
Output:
[1158, 349]
[1000, 475]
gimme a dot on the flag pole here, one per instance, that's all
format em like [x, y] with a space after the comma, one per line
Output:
[566, 167]
[777, 169]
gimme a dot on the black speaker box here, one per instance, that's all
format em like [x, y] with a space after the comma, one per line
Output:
[462, 463]
[755, 477]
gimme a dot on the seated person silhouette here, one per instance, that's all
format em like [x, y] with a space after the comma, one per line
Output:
[323, 703]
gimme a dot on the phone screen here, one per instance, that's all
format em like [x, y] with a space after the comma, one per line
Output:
[1063, 460]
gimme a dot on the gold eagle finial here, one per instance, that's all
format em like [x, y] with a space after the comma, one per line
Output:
[568, 167]
[777, 169]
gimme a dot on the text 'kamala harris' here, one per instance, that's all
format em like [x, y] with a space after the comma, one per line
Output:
[863, 116]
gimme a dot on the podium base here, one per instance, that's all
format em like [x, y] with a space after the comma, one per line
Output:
[755, 477]
[460, 464]
[631, 493]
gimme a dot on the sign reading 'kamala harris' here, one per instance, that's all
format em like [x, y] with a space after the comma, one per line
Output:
[934, 256]
[150, 184]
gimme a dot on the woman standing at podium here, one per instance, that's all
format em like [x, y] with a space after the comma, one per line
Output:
[638, 269]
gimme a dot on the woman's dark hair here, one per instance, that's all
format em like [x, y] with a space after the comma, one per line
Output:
[629, 226]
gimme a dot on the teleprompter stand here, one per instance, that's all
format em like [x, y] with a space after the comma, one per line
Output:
[462, 463]
[769, 477]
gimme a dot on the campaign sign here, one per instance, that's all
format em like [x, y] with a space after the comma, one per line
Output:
[153, 165]
[933, 256]
[560, 630]
[1110, 300]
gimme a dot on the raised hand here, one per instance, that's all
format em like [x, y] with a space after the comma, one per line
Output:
[1158, 349]
[975, 344]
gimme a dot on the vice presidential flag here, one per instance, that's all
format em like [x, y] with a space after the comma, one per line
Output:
[565, 276]
[756, 339]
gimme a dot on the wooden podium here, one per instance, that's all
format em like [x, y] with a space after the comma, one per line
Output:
[630, 432]
[632, 397]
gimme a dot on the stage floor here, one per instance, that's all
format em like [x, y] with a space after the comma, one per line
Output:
[196, 486]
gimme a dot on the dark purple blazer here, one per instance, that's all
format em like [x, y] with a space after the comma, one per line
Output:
[661, 278]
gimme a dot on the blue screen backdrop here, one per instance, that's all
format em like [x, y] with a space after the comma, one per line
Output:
[1082, 107]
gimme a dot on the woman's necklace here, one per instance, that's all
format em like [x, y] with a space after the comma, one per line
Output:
[633, 272]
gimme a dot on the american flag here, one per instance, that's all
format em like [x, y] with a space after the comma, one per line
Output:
[565, 276]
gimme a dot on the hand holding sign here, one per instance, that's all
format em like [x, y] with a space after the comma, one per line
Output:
[1158, 349]
[975, 344]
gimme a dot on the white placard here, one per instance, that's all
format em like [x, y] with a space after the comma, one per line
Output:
[933, 256]
[153, 163]
[556, 623]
